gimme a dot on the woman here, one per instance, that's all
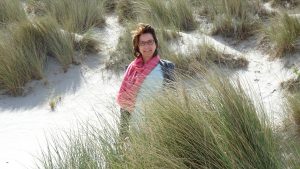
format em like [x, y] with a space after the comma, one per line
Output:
[146, 76]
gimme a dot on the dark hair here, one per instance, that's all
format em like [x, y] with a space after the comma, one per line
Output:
[142, 29]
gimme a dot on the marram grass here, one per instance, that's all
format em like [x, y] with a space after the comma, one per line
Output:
[283, 34]
[232, 18]
[214, 127]
[125, 10]
[286, 3]
[11, 11]
[293, 103]
[25, 48]
[59, 43]
[22, 57]
[14, 69]
[77, 16]
[86, 43]
[173, 14]
[210, 124]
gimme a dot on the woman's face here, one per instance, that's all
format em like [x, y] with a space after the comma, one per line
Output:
[147, 46]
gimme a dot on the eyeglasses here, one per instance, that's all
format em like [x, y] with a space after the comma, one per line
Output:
[149, 42]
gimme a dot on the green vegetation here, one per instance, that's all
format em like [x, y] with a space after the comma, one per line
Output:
[11, 11]
[110, 5]
[24, 48]
[283, 35]
[210, 125]
[232, 18]
[173, 14]
[215, 126]
[74, 15]
[24, 62]
[86, 43]
[53, 102]
[125, 10]
[205, 54]
[25, 43]
[59, 43]
[293, 96]
[285, 3]
[294, 102]
[14, 69]
[291, 85]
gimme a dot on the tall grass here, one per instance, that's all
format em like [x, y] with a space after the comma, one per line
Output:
[293, 101]
[233, 18]
[110, 5]
[286, 3]
[24, 51]
[29, 41]
[126, 10]
[292, 85]
[216, 126]
[72, 151]
[14, 70]
[211, 125]
[86, 43]
[283, 34]
[11, 11]
[74, 15]
[85, 146]
[59, 44]
[173, 14]
[22, 57]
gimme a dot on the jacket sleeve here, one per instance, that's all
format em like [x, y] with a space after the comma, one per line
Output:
[168, 69]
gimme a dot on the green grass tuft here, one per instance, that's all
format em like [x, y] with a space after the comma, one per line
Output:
[285, 3]
[11, 11]
[87, 43]
[125, 10]
[283, 34]
[210, 124]
[110, 5]
[59, 43]
[24, 50]
[76, 16]
[174, 14]
[294, 101]
[232, 18]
